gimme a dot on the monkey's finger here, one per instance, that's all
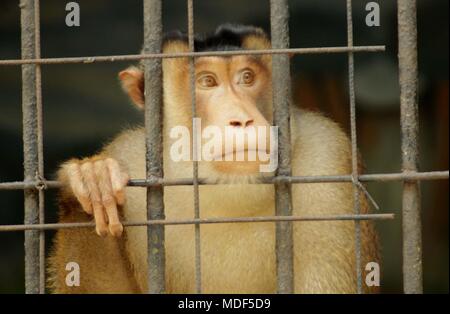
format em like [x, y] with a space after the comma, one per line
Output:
[108, 200]
[101, 226]
[78, 187]
[118, 180]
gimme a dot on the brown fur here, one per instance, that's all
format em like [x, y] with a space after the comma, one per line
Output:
[236, 258]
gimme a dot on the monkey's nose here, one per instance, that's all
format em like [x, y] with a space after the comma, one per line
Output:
[241, 123]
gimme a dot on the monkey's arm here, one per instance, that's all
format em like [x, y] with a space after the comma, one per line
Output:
[325, 250]
[91, 187]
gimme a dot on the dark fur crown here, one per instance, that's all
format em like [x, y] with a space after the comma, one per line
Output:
[226, 37]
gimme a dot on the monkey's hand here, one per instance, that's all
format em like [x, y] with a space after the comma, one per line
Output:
[98, 184]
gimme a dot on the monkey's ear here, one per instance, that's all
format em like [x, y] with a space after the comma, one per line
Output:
[132, 80]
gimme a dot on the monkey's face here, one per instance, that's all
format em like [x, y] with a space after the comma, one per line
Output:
[233, 95]
[233, 98]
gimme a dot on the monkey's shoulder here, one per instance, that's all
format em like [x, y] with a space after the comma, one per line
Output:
[128, 149]
[319, 145]
[132, 139]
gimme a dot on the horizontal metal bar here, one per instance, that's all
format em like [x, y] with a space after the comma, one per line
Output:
[56, 226]
[382, 177]
[134, 57]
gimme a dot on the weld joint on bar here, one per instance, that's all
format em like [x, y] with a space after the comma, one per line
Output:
[40, 183]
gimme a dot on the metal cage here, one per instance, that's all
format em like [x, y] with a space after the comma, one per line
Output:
[34, 183]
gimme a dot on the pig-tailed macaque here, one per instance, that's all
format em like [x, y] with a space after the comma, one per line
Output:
[232, 92]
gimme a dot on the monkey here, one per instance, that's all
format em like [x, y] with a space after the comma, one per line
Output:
[231, 91]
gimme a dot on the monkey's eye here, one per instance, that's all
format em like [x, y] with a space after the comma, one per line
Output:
[207, 81]
[247, 77]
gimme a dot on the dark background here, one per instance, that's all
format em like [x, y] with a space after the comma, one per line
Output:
[84, 106]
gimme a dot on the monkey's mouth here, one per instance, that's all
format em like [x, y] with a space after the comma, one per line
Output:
[257, 155]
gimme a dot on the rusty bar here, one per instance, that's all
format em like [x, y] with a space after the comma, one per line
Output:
[195, 183]
[409, 113]
[56, 226]
[353, 137]
[30, 145]
[37, 37]
[381, 177]
[281, 83]
[154, 157]
[135, 57]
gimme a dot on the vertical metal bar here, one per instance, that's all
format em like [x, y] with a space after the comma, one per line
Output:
[279, 20]
[198, 273]
[30, 144]
[154, 157]
[353, 136]
[408, 76]
[40, 146]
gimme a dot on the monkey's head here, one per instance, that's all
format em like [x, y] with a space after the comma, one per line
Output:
[233, 96]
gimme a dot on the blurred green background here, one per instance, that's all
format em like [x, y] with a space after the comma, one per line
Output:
[84, 105]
